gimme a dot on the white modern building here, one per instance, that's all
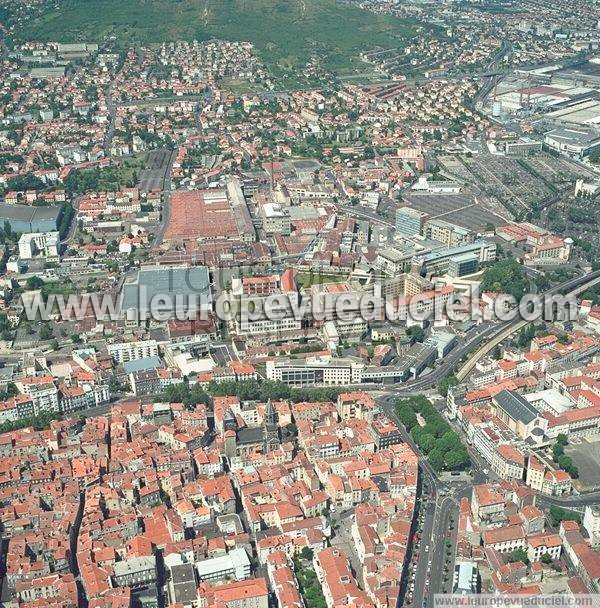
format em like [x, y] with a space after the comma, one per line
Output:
[131, 351]
[233, 565]
[591, 522]
[576, 143]
[276, 219]
[465, 578]
[39, 244]
[316, 371]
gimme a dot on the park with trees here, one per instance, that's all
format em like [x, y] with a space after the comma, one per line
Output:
[433, 434]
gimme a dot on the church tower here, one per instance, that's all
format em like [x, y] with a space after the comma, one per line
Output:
[271, 425]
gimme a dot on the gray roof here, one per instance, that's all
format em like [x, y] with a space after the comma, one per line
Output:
[516, 406]
[444, 224]
[576, 137]
[394, 255]
[140, 365]
[166, 281]
[134, 565]
[454, 251]
[29, 213]
[7, 373]
[184, 583]
[466, 575]
[250, 435]
[465, 257]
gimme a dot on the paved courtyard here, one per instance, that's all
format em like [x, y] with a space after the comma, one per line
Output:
[586, 457]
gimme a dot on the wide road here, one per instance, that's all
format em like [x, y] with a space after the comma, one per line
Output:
[362, 213]
[445, 496]
[429, 509]
[112, 110]
[437, 508]
[506, 329]
[469, 342]
[73, 224]
[576, 502]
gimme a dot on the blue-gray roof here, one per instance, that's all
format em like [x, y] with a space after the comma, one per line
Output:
[516, 406]
[141, 365]
[166, 281]
[453, 251]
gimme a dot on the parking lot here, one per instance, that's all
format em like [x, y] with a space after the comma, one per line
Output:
[513, 184]
[462, 209]
[586, 457]
[509, 179]
[152, 177]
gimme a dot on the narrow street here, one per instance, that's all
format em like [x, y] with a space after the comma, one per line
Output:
[82, 600]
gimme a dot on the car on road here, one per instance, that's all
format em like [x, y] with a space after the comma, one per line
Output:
[426, 548]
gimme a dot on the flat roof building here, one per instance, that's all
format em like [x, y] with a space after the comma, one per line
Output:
[182, 585]
[576, 143]
[465, 578]
[409, 221]
[438, 262]
[25, 218]
[233, 565]
[201, 215]
[177, 284]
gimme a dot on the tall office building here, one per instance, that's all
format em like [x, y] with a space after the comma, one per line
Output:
[409, 221]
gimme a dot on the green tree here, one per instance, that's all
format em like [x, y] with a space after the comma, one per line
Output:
[10, 391]
[446, 383]
[505, 276]
[45, 332]
[33, 282]
[436, 459]
[416, 333]
[564, 462]
[557, 451]
[559, 514]
[406, 415]
[457, 458]
[25, 182]
[520, 555]
[448, 441]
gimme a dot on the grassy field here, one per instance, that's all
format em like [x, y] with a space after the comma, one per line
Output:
[286, 32]
[308, 279]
